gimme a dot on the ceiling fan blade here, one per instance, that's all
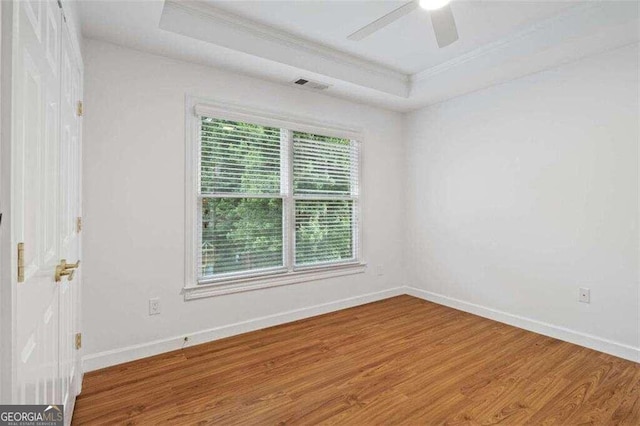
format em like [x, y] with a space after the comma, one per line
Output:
[380, 23]
[444, 26]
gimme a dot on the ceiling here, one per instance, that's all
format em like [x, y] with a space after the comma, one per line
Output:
[399, 67]
[407, 45]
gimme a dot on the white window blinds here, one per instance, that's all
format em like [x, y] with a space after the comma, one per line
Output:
[273, 199]
[241, 202]
[239, 157]
[325, 182]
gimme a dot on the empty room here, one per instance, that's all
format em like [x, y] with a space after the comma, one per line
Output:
[352, 212]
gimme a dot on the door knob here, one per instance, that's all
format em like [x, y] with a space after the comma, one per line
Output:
[64, 269]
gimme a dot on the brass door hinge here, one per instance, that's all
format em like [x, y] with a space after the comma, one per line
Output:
[20, 262]
[79, 108]
[78, 224]
[78, 340]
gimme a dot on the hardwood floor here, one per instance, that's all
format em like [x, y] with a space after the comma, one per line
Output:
[398, 361]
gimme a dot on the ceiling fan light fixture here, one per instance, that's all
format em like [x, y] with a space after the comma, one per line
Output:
[433, 4]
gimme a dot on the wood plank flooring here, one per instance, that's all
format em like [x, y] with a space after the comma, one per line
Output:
[398, 361]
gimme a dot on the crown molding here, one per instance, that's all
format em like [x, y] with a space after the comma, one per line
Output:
[266, 32]
[506, 42]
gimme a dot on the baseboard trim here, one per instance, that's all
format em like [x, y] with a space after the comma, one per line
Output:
[134, 352]
[582, 339]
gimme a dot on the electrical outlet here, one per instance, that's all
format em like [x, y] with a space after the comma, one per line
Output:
[154, 306]
[584, 295]
[380, 270]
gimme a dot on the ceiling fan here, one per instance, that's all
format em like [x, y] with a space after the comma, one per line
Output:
[441, 17]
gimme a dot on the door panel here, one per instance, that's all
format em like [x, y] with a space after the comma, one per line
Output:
[46, 193]
[69, 233]
[36, 120]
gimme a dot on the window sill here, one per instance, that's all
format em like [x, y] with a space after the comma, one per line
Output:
[238, 285]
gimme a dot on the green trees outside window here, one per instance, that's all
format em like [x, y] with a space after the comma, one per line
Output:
[268, 195]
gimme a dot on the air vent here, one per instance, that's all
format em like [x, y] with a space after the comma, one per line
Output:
[309, 84]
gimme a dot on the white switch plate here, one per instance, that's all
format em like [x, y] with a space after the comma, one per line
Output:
[154, 306]
[584, 295]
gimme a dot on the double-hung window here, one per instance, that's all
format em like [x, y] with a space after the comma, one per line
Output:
[275, 201]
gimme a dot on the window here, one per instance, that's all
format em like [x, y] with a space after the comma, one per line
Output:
[272, 199]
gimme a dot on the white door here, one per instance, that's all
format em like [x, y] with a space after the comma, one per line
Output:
[46, 200]
[69, 231]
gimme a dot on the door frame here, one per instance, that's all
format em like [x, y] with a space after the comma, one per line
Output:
[8, 377]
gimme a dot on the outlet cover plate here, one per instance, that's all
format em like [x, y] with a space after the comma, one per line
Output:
[154, 306]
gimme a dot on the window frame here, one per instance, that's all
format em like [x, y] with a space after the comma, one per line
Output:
[289, 273]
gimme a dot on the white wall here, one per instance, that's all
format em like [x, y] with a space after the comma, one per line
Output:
[134, 189]
[516, 195]
[521, 193]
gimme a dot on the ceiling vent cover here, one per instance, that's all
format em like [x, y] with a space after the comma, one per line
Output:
[310, 84]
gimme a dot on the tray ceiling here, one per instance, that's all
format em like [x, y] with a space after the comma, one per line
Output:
[399, 67]
[407, 45]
